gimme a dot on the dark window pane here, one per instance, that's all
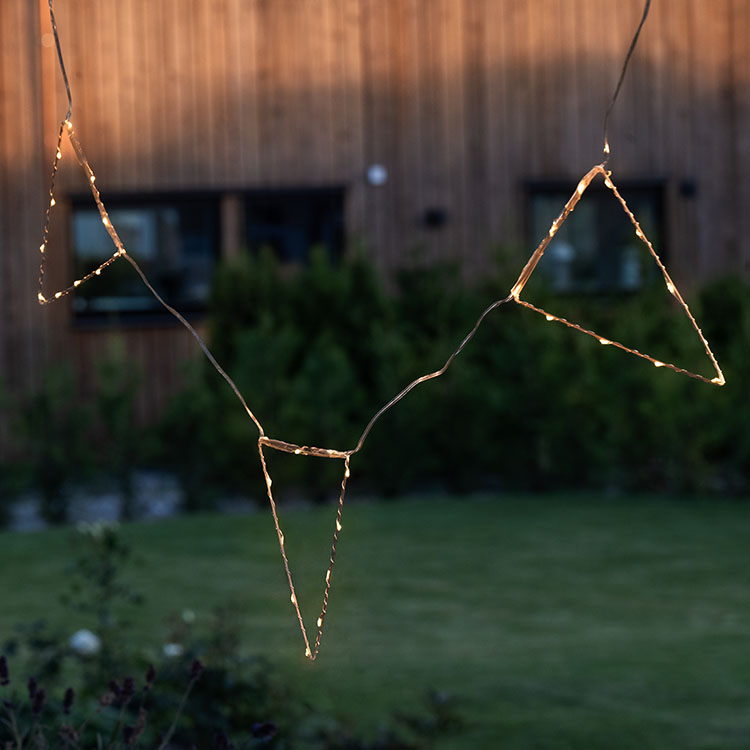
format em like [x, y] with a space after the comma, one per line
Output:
[175, 242]
[596, 249]
[290, 222]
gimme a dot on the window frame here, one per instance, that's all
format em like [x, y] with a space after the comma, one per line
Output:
[158, 316]
[657, 186]
[335, 192]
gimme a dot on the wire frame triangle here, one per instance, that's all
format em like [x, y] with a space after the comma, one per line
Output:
[264, 442]
[311, 652]
[528, 270]
[66, 128]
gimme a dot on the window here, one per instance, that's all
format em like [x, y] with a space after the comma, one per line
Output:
[174, 239]
[290, 222]
[596, 250]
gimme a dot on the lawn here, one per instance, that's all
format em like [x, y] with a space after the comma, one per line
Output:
[558, 622]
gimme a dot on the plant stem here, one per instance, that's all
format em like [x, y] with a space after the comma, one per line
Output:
[168, 735]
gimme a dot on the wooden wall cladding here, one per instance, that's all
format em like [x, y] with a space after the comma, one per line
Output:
[462, 101]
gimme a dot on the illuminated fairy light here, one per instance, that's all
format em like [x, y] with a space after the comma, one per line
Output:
[66, 128]
[285, 447]
[600, 170]
[263, 441]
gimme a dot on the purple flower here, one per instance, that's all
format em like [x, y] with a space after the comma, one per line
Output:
[68, 734]
[128, 688]
[221, 742]
[150, 676]
[196, 669]
[33, 687]
[37, 704]
[114, 688]
[4, 678]
[132, 732]
[68, 701]
[264, 730]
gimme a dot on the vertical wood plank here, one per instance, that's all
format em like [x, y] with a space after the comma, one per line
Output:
[500, 70]
[247, 92]
[453, 63]
[740, 86]
[461, 100]
[475, 176]
[711, 136]
[348, 154]
[376, 122]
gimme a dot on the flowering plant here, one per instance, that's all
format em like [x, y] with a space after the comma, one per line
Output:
[37, 723]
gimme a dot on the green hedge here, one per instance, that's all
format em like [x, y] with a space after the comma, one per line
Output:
[528, 404]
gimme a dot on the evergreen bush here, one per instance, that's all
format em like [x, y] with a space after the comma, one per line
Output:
[527, 405]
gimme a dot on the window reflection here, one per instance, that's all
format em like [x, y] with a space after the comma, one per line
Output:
[175, 242]
[596, 250]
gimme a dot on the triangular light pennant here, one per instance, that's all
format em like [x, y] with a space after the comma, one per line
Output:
[264, 442]
[66, 127]
[528, 269]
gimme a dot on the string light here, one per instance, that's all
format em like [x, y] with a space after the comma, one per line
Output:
[66, 127]
[600, 170]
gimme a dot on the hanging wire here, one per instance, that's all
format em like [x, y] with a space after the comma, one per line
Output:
[646, 9]
[418, 381]
[60, 60]
[279, 445]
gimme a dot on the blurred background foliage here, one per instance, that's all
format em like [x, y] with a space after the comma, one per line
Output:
[318, 350]
[528, 405]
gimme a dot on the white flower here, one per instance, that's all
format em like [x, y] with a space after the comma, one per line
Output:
[188, 616]
[97, 529]
[172, 650]
[85, 643]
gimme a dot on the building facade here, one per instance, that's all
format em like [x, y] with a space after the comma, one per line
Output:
[437, 129]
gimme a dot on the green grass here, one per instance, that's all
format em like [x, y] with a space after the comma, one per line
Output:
[564, 622]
